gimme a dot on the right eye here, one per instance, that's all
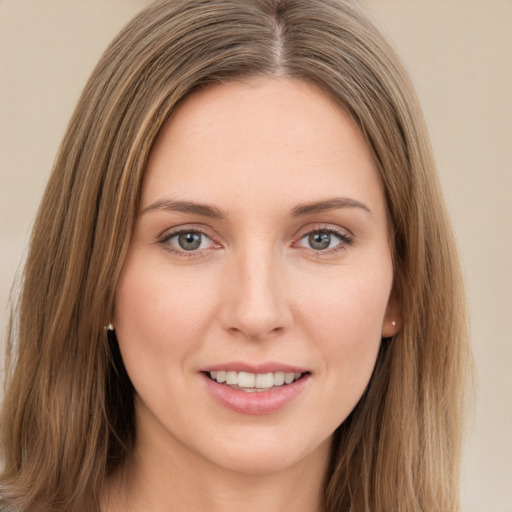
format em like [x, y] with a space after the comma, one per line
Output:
[187, 241]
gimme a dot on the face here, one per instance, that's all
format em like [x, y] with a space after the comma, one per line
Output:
[258, 283]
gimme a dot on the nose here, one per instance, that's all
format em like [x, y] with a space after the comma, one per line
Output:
[255, 301]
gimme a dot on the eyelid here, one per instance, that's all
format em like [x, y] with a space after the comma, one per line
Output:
[345, 237]
[170, 233]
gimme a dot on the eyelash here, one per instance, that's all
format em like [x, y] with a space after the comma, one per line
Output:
[165, 239]
[344, 239]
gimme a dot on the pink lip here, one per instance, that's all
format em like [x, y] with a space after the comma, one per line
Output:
[258, 402]
[240, 366]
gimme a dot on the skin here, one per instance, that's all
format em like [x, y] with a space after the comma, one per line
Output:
[255, 290]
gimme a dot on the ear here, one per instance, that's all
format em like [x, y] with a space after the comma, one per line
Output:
[393, 316]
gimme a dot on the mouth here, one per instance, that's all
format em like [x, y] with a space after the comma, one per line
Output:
[255, 382]
[255, 389]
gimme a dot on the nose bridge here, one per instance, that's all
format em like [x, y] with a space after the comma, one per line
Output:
[256, 304]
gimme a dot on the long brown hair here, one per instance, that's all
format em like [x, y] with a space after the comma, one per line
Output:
[67, 418]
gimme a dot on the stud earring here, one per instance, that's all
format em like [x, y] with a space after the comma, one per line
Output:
[393, 323]
[110, 327]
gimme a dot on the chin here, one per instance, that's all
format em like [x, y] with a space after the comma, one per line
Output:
[259, 455]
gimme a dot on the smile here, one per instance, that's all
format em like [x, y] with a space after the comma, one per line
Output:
[254, 382]
[264, 390]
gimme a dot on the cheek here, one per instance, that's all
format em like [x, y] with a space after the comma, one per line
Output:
[346, 320]
[350, 307]
[160, 312]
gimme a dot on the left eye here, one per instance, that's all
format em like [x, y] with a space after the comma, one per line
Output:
[322, 240]
[189, 241]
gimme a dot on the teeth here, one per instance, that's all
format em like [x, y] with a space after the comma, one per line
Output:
[264, 380]
[231, 378]
[254, 381]
[289, 378]
[246, 380]
[278, 378]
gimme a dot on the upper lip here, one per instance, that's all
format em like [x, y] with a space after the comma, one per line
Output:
[268, 367]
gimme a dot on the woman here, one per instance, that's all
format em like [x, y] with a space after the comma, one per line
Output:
[242, 287]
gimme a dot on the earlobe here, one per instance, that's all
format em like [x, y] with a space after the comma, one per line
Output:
[393, 317]
[390, 326]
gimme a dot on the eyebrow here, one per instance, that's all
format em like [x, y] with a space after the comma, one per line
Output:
[190, 207]
[328, 204]
[213, 212]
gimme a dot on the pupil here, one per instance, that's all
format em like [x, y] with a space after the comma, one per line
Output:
[189, 241]
[320, 241]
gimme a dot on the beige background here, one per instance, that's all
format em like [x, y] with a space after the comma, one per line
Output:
[460, 55]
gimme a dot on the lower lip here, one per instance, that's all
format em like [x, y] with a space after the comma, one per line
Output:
[258, 402]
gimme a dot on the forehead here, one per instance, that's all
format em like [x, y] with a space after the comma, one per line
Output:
[251, 139]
